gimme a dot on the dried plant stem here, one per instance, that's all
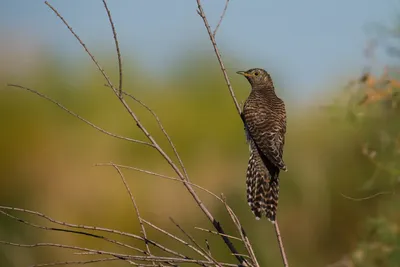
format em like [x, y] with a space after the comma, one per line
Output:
[116, 48]
[160, 125]
[205, 210]
[281, 246]
[221, 18]
[78, 116]
[201, 13]
[136, 209]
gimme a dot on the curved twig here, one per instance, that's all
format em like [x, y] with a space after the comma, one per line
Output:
[78, 116]
[116, 47]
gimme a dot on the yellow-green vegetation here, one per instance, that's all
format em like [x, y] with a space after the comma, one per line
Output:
[350, 149]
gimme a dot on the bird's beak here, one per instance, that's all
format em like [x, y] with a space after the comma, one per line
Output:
[243, 73]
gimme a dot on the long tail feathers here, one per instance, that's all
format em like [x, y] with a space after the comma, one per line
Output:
[262, 187]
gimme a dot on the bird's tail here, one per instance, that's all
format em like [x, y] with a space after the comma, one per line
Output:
[262, 187]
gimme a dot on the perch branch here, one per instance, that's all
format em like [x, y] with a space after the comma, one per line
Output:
[281, 246]
[201, 13]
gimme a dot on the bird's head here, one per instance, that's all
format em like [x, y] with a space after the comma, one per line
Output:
[257, 77]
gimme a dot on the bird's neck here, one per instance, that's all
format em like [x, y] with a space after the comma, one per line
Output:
[265, 91]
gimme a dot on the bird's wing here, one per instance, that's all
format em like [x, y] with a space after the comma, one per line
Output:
[267, 130]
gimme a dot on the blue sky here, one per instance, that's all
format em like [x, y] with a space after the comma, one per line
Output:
[309, 42]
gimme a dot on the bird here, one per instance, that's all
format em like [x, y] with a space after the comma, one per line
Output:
[264, 118]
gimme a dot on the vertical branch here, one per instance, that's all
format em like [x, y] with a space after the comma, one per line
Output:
[280, 242]
[201, 13]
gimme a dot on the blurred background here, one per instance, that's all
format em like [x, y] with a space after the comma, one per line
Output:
[335, 63]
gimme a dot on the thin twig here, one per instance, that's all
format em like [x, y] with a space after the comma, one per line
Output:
[281, 246]
[216, 233]
[209, 257]
[208, 214]
[160, 125]
[84, 46]
[78, 116]
[175, 238]
[75, 262]
[221, 18]
[136, 208]
[162, 176]
[93, 228]
[71, 231]
[200, 11]
[242, 233]
[118, 255]
[368, 197]
[116, 47]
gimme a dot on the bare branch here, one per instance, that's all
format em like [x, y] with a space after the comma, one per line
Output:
[135, 206]
[217, 53]
[116, 47]
[175, 238]
[243, 235]
[162, 176]
[84, 47]
[163, 130]
[208, 214]
[98, 252]
[118, 255]
[75, 262]
[280, 243]
[221, 18]
[78, 116]
[368, 197]
[86, 227]
[209, 257]
[71, 231]
[216, 233]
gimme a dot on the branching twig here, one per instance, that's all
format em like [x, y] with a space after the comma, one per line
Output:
[78, 116]
[221, 63]
[209, 257]
[116, 48]
[152, 142]
[242, 233]
[136, 208]
[221, 18]
[87, 227]
[119, 255]
[208, 214]
[174, 237]
[70, 231]
[163, 130]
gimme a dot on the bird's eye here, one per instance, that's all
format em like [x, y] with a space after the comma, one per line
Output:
[256, 73]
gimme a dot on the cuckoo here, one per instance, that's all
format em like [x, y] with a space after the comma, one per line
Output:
[264, 118]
